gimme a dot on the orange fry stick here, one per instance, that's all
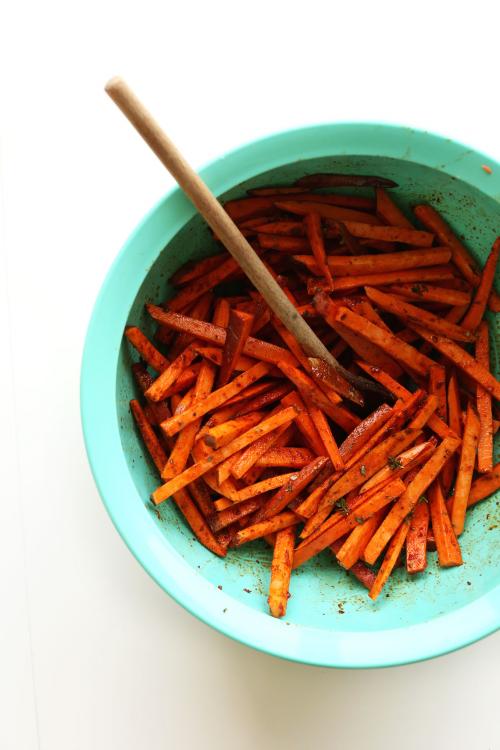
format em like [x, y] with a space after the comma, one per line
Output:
[391, 234]
[348, 283]
[290, 490]
[409, 499]
[359, 570]
[353, 547]
[447, 545]
[149, 437]
[307, 387]
[364, 431]
[484, 486]
[158, 390]
[478, 305]
[483, 403]
[281, 569]
[238, 331]
[191, 271]
[146, 349]
[202, 467]
[266, 485]
[327, 211]
[201, 496]
[465, 470]
[389, 211]
[217, 335]
[236, 511]
[283, 243]
[401, 464]
[160, 410]
[333, 199]
[327, 438]
[256, 450]
[292, 458]
[222, 434]
[411, 314]
[305, 423]
[215, 399]
[199, 286]
[278, 393]
[215, 355]
[312, 223]
[463, 360]
[324, 180]
[258, 530]
[416, 540]
[389, 343]
[340, 524]
[250, 392]
[360, 265]
[437, 386]
[426, 293]
[390, 559]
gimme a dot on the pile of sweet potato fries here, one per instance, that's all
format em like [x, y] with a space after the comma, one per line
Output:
[253, 442]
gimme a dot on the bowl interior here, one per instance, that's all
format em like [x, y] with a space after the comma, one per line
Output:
[323, 596]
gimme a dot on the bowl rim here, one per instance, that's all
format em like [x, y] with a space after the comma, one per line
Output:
[338, 648]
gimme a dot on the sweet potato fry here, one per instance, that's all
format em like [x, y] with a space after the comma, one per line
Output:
[144, 380]
[478, 305]
[390, 559]
[409, 499]
[255, 451]
[149, 437]
[258, 530]
[238, 331]
[256, 348]
[334, 199]
[283, 243]
[389, 211]
[348, 283]
[199, 286]
[411, 314]
[331, 447]
[340, 524]
[292, 458]
[353, 547]
[465, 470]
[401, 464]
[483, 403]
[364, 574]
[176, 423]
[236, 511]
[286, 228]
[484, 486]
[447, 546]
[364, 431]
[305, 423]
[390, 344]
[309, 506]
[306, 386]
[242, 441]
[361, 265]
[430, 293]
[286, 494]
[250, 392]
[191, 271]
[463, 360]
[281, 569]
[266, 485]
[214, 355]
[321, 180]
[437, 387]
[201, 495]
[199, 311]
[360, 228]
[222, 434]
[158, 390]
[277, 393]
[314, 234]
[146, 349]
[337, 213]
[416, 539]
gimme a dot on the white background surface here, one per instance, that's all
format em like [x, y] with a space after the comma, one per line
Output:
[93, 654]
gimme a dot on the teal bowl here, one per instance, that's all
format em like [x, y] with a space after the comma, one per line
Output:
[330, 619]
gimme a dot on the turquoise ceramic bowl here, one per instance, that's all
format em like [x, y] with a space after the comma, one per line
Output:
[330, 620]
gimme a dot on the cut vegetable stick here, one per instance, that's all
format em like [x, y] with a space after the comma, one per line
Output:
[238, 331]
[283, 243]
[416, 540]
[364, 431]
[368, 311]
[389, 343]
[447, 546]
[431, 219]
[200, 494]
[483, 403]
[197, 523]
[224, 518]
[256, 348]
[411, 314]
[402, 463]
[158, 390]
[341, 524]
[478, 305]
[348, 283]
[199, 286]
[353, 547]
[409, 499]
[307, 388]
[176, 423]
[213, 354]
[184, 381]
[199, 311]
[146, 349]
[286, 494]
[143, 379]
[291, 342]
[389, 211]
[266, 485]
[278, 393]
[258, 530]
[222, 434]
[390, 559]
[332, 451]
[314, 234]
[309, 506]
[202, 467]
[149, 437]
[359, 570]
[287, 228]
[427, 293]
[250, 392]
[463, 360]
[437, 387]
[305, 423]
[255, 451]
[484, 486]
[275, 190]
[361, 265]
[465, 470]
[323, 180]
[358, 228]
[333, 199]
[292, 458]
[281, 569]
[191, 271]
[336, 213]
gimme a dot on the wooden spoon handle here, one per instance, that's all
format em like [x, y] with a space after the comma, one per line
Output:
[227, 231]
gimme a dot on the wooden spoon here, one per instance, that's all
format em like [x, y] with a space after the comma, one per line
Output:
[226, 230]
